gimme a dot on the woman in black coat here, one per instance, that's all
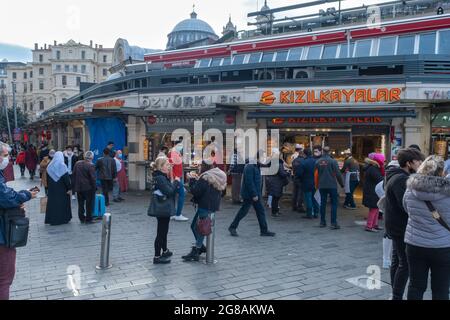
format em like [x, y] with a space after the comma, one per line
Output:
[166, 190]
[207, 189]
[275, 185]
[372, 176]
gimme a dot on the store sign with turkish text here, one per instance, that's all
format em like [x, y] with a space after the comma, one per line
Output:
[174, 102]
[331, 96]
[326, 120]
[108, 105]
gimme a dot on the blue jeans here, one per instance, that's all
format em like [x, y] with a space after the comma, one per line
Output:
[311, 204]
[260, 214]
[201, 213]
[181, 196]
[323, 205]
[349, 200]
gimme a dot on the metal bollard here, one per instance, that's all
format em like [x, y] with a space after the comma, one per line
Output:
[210, 242]
[106, 237]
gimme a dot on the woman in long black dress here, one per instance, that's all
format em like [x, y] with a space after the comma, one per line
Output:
[59, 209]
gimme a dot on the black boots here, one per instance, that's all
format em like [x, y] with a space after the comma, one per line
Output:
[194, 255]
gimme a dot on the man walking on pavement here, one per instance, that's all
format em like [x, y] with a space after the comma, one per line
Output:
[297, 158]
[85, 187]
[305, 173]
[236, 169]
[326, 173]
[107, 172]
[251, 193]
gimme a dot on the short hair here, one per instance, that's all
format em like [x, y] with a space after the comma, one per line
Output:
[106, 151]
[408, 155]
[326, 149]
[69, 147]
[415, 146]
[308, 152]
[4, 146]
[89, 155]
[317, 147]
[111, 142]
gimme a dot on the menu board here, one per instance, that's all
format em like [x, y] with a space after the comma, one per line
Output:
[440, 148]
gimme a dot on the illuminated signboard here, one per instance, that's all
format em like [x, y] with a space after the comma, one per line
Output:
[331, 96]
[353, 120]
[111, 104]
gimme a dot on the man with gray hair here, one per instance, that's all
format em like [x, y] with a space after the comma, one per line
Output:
[9, 199]
[84, 178]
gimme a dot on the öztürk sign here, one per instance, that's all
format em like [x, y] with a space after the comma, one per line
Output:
[331, 96]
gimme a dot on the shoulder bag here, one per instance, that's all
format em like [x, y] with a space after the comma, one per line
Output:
[16, 227]
[436, 215]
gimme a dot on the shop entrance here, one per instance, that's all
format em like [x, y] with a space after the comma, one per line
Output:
[363, 145]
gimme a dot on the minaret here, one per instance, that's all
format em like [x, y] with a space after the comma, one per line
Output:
[229, 27]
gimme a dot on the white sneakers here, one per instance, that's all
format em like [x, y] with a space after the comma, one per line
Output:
[180, 218]
[386, 264]
[74, 198]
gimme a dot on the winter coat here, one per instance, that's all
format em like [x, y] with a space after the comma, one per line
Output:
[21, 158]
[9, 198]
[296, 165]
[73, 162]
[395, 214]
[106, 167]
[305, 174]
[422, 229]
[84, 178]
[327, 173]
[43, 170]
[351, 165]
[372, 178]
[43, 153]
[31, 159]
[169, 189]
[251, 182]
[276, 182]
[207, 190]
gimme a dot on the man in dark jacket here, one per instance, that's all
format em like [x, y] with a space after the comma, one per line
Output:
[9, 199]
[305, 174]
[298, 193]
[107, 172]
[251, 193]
[327, 172]
[396, 216]
[350, 170]
[236, 169]
[84, 180]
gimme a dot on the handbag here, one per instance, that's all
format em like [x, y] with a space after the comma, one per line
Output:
[436, 215]
[16, 228]
[160, 206]
[204, 226]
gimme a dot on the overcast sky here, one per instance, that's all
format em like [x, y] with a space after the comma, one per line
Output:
[143, 23]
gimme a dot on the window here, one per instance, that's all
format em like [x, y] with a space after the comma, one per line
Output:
[25, 89]
[387, 46]
[95, 71]
[255, 57]
[58, 67]
[31, 74]
[444, 42]
[363, 48]
[14, 75]
[58, 55]
[25, 75]
[427, 43]
[268, 57]
[239, 59]
[314, 52]
[41, 105]
[41, 85]
[78, 81]
[282, 56]
[41, 71]
[216, 62]
[105, 72]
[344, 50]
[31, 86]
[295, 54]
[75, 68]
[329, 52]
[31, 106]
[95, 56]
[226, 61]
[83, 68]
[406, 45]
[64, 80]
[204, 63]
[41, 58]
[105, 58]
[24, 106]
[83, 55]
[66, 68]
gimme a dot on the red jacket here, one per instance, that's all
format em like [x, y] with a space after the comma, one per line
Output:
[21, 158]
[177, 161]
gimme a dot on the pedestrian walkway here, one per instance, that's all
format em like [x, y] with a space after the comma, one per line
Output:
[301, 262]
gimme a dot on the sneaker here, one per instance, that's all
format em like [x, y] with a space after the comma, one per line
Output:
[371, 230]
[276, 215]
[347, 207]
[267, 234]
[181, 218]
[323, 225]
[74, 198]
[121, 199]
[167, 254]
[335, 227]
[202, 249]
[386, 264]
[378, 228]
[233, 232]
[161, 260]
[194, 255]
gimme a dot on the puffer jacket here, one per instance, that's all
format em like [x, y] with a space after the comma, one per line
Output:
[106, 168]
[276, 182]
[422, 229]
[372, 177]
[207, 190]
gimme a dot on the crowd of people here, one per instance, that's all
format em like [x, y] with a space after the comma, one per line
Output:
[410, 194]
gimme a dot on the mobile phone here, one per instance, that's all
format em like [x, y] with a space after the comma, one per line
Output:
[35, 188]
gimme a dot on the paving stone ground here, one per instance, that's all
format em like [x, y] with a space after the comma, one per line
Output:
[303, 261]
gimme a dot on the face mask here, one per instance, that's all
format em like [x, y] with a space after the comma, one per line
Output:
[69, 153]
[4, 163]
[316, 154]
[119, 156]
[179, 149]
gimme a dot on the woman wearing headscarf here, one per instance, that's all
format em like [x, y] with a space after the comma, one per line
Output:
[373, 173]
[59, 209]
